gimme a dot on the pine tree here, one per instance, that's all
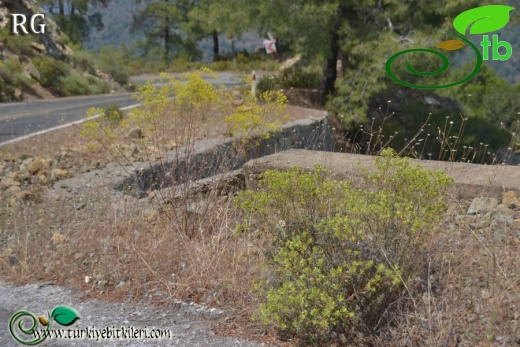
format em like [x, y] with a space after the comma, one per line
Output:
[360, 34]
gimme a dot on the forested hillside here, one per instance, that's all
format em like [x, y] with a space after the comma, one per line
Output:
[117, 24]
[117, 31]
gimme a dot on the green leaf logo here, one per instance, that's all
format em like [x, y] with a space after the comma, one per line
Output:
[482, 20]
[64, 315]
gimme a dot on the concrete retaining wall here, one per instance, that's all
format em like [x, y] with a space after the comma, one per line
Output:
[211, 157]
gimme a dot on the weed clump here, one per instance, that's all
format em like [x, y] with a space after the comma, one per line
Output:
[248, 120]
[113, 114]
[342, 252]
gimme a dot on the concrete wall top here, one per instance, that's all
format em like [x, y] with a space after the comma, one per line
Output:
[475, 178]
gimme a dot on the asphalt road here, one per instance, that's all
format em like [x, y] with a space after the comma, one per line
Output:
[24, 118]
[19, 119]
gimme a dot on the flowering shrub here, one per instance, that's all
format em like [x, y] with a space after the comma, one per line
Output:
[341, 254]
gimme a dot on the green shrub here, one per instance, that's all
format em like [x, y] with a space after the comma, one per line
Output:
[341, 253]
[241, 59]
[153, 67]
[115, 62]
[84, 61]
[119, 73]
[268, 65]
[98, 86]
[79, 85]
[266, 83]
[301, 77]
[179, 65]
[17, 44]
[51, 72]
[73, 85]
[184, 65]
[220, 65]
[135, 66]
[12, 77]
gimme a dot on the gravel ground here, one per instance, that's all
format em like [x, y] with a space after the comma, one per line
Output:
[189, 324]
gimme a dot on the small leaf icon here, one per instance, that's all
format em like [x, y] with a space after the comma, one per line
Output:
[451, 45]
[43, 320]
[482, 20]
[64, 315]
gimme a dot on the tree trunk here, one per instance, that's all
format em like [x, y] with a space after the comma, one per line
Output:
[330, 73]
[166, 41]
[61, 7]
[216, 47]
[327, 87]
[166, 45]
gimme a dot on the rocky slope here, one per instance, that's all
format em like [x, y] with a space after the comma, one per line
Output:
[41, 65]
[21, 78]
[47, 43]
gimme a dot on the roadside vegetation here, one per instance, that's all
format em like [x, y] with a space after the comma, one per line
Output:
[342, 251]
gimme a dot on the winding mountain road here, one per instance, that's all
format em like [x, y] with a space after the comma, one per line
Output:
[24, 118]
[18, 120]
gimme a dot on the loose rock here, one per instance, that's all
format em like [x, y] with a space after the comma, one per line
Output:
[510, 200]
[15, 176]
[58, 238]
[43, 179]
[482, 205]
[24, 195]
[35, 166]
[9, 182]
[135, 133]
[60, 174]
